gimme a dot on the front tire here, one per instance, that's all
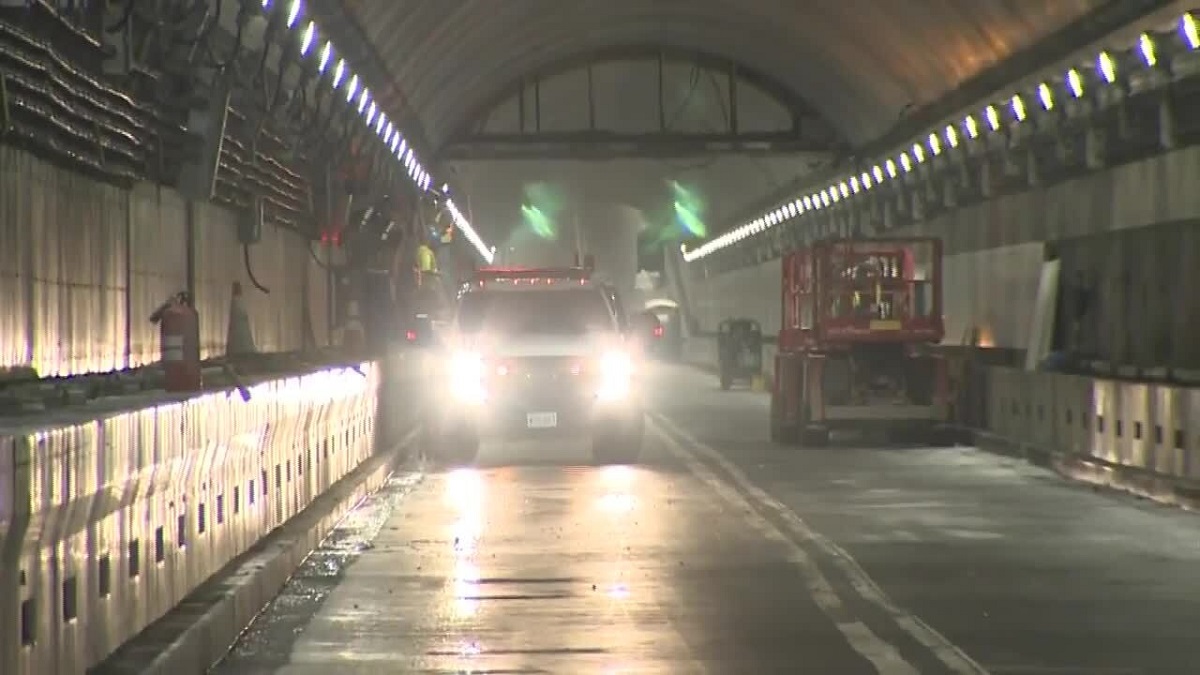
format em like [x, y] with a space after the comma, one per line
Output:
[782, 432]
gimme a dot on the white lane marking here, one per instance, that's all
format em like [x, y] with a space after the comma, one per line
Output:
[946, 651]
[1063, 670]
[882, 654]
[897, 506]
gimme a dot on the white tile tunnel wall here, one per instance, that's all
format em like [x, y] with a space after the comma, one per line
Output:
[1155, 428]
[995, 250]
[84, 264]
[108, 524]
[279, 262]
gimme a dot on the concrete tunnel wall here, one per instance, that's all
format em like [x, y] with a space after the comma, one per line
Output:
[1144, 270]
[111, 514]
[1135, 229]
[69, 502]
[83, 264]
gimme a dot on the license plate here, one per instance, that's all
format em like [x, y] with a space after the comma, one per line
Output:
[878, 324]
[541, 420]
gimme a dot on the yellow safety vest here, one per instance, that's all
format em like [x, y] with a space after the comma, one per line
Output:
[426, 260]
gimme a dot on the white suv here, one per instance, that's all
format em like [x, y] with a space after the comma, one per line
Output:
[538, 354]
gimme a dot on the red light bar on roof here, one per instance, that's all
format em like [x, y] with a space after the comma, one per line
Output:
[514, 273]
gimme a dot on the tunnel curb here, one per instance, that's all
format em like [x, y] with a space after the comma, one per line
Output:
[251, 582]
[1073, 467]
[1092, 471]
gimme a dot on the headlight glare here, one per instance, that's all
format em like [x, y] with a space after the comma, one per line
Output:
[615, 375]
[466, 376]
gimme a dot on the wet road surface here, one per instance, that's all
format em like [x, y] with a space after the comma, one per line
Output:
[723, 554]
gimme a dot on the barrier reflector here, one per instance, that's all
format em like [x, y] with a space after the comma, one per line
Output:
[109, 520]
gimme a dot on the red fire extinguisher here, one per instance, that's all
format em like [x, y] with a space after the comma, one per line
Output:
[179, 337]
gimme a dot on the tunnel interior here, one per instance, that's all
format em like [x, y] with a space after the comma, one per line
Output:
[233, 235]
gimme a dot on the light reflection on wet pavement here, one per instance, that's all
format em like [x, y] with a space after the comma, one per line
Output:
[545, 569]
[722, 553]
[266, 642]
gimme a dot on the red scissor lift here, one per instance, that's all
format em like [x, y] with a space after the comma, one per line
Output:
[858, 317]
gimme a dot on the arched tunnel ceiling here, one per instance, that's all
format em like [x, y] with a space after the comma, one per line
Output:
[860, 63]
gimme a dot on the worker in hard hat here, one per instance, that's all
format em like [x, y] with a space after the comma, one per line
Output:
[428, 276]
[426, 260]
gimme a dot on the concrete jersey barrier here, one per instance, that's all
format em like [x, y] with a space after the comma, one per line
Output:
[1149, 428]
[1134, 436]
[109, 520]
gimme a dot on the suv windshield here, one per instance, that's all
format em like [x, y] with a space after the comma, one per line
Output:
[558, 312]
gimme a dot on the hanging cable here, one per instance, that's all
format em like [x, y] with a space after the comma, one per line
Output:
[200, 44]
[250, 270]
[122, 22]
[178, 25]
[727, 115]
[271, 107]
[238, 43]
[316, 119]
[693, 84]
[320, 263]
[275, 97]
[268, 38]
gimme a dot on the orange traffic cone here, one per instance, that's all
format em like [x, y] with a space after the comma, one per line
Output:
[239, 338]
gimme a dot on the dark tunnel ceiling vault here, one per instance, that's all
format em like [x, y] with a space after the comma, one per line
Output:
[499, 93]
[859, 62]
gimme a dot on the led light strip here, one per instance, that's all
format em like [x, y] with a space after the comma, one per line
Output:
[488, 254]
[938, 141]
[359, 96]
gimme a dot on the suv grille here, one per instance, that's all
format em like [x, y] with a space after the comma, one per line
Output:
[543, 378]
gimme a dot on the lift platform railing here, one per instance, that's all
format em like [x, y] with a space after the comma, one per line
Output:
[531, 275]
[851, 291]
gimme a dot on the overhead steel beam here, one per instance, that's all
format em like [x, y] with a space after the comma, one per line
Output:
[477, 116]
[598, 145]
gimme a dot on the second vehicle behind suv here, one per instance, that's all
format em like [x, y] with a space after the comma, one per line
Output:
[537, 354]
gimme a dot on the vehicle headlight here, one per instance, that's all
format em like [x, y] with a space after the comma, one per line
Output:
[466, 376]
[615, 375]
